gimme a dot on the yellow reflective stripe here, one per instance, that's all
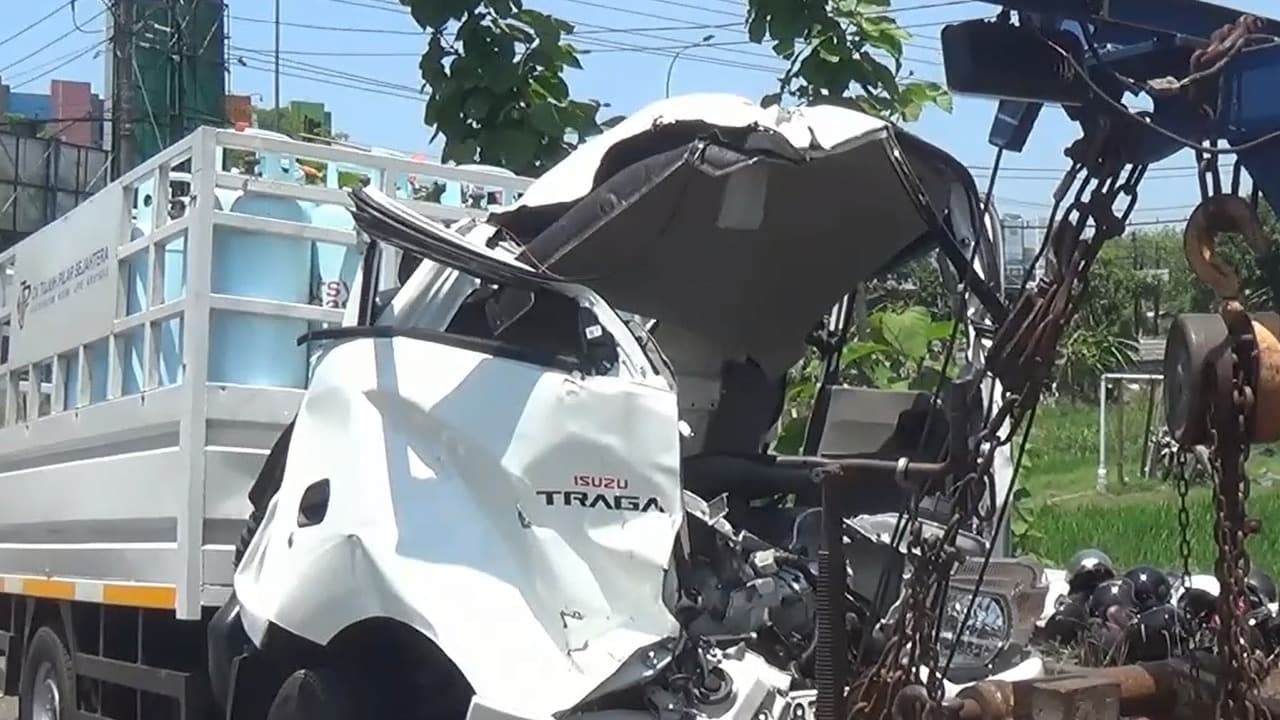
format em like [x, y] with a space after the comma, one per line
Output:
[160, 597]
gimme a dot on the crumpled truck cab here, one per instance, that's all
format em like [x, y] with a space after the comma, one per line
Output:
[520, 445]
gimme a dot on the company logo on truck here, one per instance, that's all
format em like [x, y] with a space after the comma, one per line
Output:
[71, 279]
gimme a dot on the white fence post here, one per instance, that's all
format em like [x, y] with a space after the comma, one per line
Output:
[1102, 434]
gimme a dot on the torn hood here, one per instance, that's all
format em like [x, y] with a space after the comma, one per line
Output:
[738, 223]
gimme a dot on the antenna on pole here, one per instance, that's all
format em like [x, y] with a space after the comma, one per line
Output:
[277, 68]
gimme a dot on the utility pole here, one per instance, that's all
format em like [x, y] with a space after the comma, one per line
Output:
[123, 142]
[277, 71]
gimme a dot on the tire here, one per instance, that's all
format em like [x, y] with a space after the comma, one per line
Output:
[47, 688]
[319, 694]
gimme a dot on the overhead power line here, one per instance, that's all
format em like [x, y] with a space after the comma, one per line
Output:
[323, 70]
[53, 66]
[590, 44]
[35, 23]
[250, 64]
[421, 34]
[49, 44]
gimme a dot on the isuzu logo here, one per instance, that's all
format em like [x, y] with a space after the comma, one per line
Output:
[600, 482]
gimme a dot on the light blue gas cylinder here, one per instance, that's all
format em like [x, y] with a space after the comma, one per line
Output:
[261, 350]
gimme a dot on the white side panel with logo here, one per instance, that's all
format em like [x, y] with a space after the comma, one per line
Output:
[521, 517]
[66, 290]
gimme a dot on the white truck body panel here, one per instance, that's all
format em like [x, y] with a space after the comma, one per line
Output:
[129, 462]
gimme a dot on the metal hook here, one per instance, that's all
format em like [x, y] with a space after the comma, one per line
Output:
[1216, 215]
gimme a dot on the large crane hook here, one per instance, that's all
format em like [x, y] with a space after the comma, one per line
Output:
[1216, 215]
[1197, 340]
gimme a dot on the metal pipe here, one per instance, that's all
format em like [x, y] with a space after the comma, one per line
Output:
[908, 474]
[1102, 434]
[1179, 687]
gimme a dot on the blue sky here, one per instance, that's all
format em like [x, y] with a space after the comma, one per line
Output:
[615, 71]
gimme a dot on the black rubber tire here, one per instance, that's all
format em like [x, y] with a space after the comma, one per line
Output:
[47, 658]
[320, 694]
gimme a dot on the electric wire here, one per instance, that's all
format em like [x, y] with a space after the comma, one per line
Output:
[407, 54]
[329, 72]
[743, 5]
[250, 64]
[422, 34]
[35, 23]
[75, 22]
[610, 45]
[986, 558]
[51, 66]
[49, 44]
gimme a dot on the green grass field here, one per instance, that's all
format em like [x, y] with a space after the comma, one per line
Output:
[1136, 522]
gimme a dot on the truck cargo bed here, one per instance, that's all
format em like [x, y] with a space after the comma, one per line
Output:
[148, 356]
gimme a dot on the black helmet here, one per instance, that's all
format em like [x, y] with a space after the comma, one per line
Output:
[1197, 604]
[1116, 592]
[1261, 583]
[1070, 616]
[1087, 569]
[1150, 586]
[1154, 635]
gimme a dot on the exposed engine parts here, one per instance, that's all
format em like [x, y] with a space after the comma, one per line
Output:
[736, 585]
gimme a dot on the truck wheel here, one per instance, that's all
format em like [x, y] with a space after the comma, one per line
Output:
[47, 688]
[319, 694]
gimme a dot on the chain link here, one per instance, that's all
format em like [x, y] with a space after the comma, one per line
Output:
[1183, 482]
[1230, 408]
[1021, 357]
[911, 644]
[1231, 382]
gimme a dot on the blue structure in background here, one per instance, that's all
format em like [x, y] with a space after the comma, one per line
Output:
[37, 106]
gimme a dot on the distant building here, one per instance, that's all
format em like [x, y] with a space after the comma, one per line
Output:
[310, 118]
[59, 111]
[1022, 237]
[314, 116]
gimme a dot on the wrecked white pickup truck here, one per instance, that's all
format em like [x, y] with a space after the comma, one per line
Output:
[525, 473]
[555, 508]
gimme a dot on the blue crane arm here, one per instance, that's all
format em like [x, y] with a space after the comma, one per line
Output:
[1134, 21]
[1139, 38]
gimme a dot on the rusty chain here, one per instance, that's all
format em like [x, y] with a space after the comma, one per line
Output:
[1230, 380]
[911, 644]
[1182, 482]
[1021, 358]
[1231, 404]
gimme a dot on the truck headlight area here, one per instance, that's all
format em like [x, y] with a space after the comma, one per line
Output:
[983, 637]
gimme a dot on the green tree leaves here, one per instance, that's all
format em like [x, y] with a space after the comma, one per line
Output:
[846, 52]
[495, 71]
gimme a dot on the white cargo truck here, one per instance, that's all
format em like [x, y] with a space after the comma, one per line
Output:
[519, 470]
